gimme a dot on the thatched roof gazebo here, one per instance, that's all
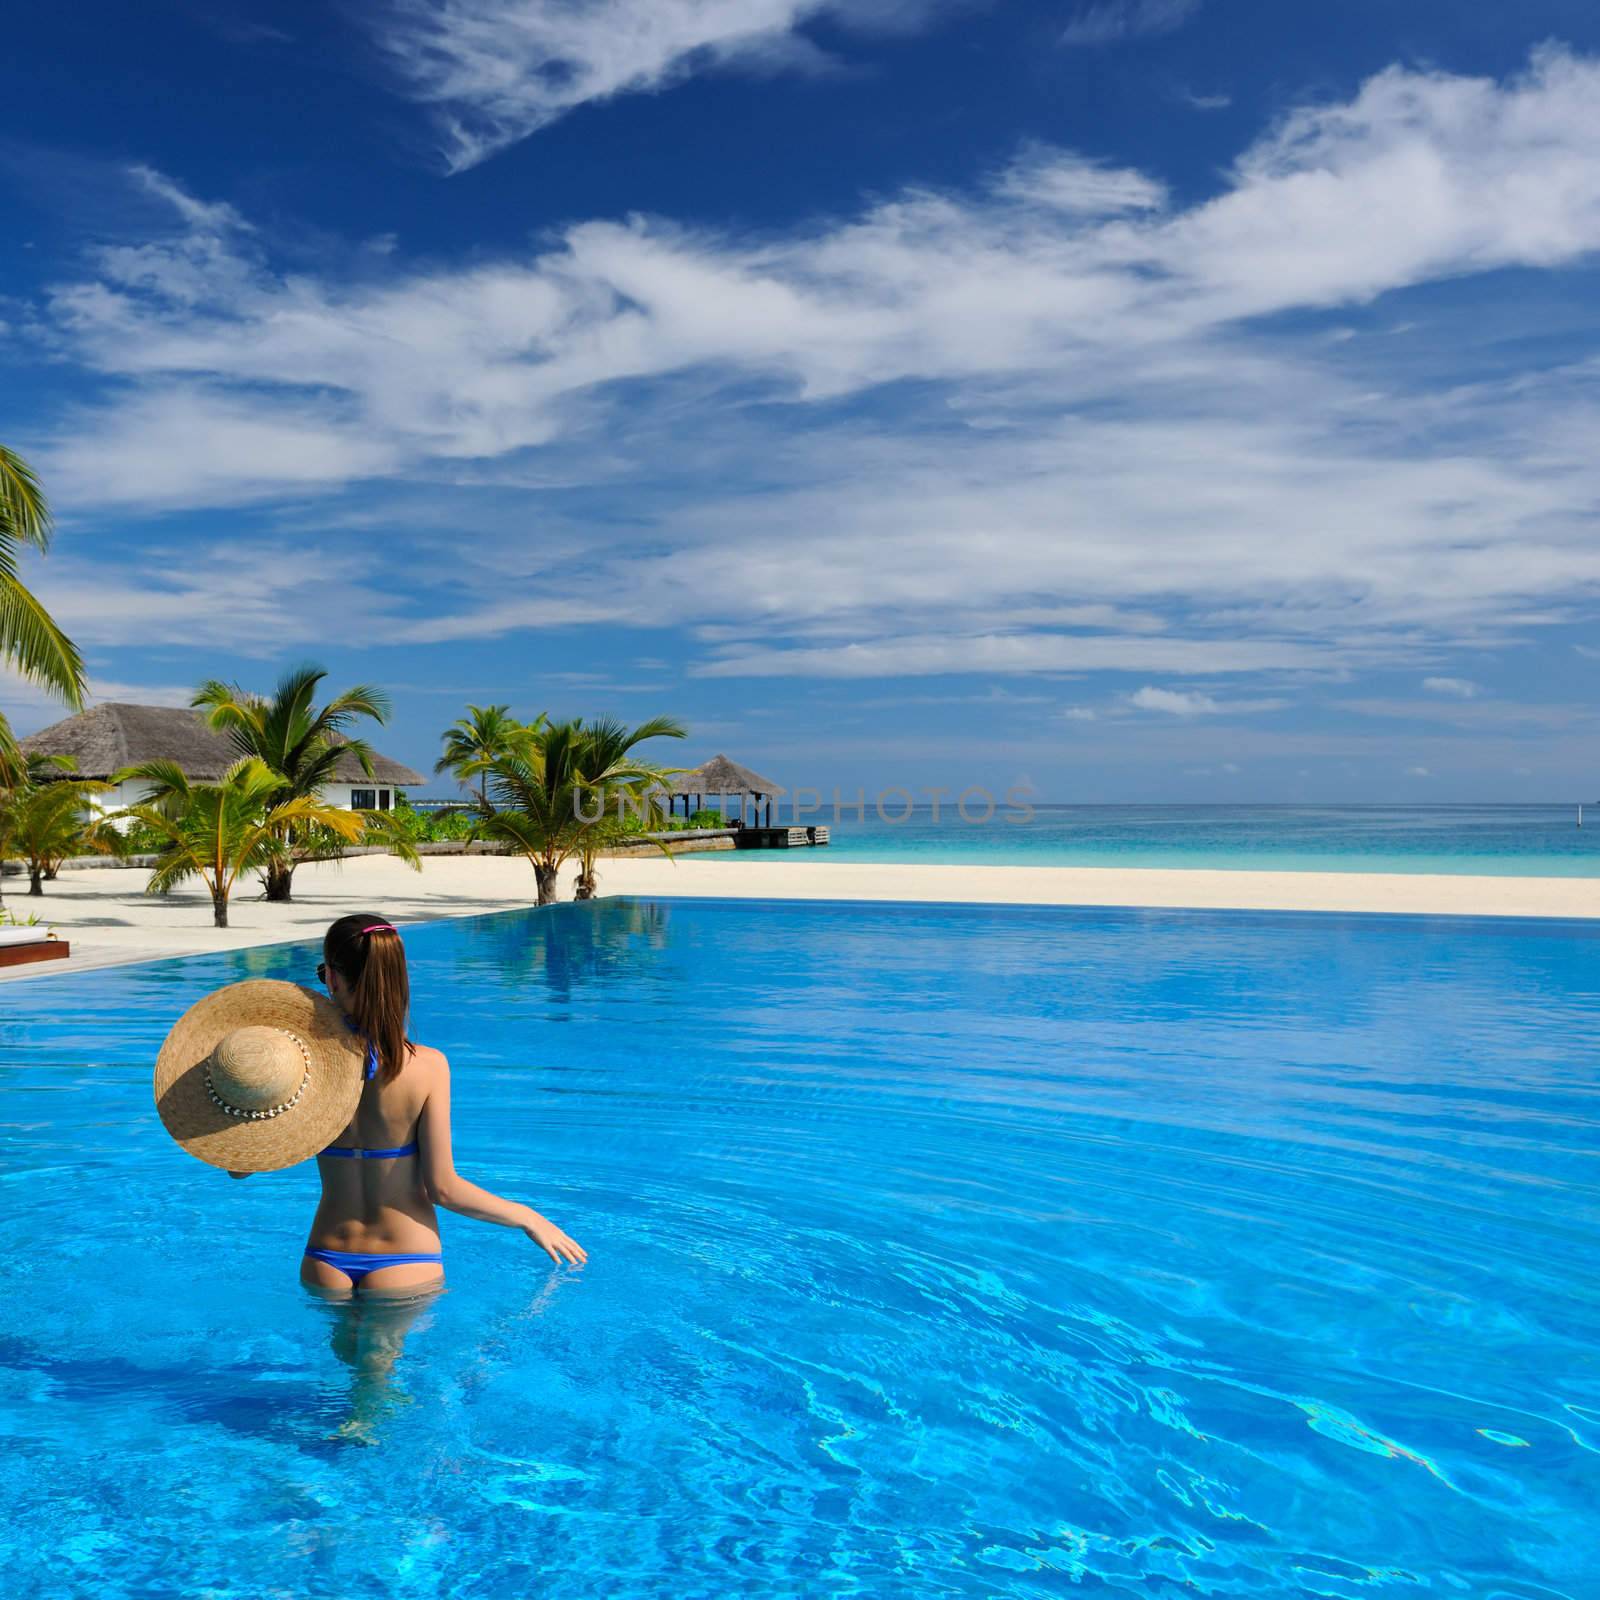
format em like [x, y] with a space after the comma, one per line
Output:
[720, 777]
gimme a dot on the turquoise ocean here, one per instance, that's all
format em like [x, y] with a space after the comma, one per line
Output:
[1498, 840]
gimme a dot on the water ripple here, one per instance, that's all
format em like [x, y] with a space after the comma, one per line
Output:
[934, 1252]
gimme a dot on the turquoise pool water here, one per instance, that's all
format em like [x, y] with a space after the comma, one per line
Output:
[1495, 840]
[934, 1251]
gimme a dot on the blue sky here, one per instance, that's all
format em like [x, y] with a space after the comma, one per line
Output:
[1144, 399]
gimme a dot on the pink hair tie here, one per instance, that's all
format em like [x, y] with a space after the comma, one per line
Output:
[380, 927]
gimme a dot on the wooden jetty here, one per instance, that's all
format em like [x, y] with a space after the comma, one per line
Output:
[793, 837]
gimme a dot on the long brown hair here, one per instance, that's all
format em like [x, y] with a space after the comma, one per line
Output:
[367, 953]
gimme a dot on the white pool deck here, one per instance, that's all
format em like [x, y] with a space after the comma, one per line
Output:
[109, 919]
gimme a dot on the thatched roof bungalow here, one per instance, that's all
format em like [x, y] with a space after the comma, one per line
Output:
[107, 738]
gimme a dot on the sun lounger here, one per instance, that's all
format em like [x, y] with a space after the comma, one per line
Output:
[18, 946]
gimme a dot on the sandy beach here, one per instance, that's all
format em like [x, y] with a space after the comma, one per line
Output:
[109, 919]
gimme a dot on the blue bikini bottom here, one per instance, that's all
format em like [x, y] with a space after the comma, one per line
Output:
[357, 1264]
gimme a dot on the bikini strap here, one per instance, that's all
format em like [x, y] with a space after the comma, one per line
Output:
[372, 1050]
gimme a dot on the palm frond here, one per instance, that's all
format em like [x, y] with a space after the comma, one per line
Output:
[383, 829]
[166, 778]
[11, 762]
[33, 643]
[24, 511]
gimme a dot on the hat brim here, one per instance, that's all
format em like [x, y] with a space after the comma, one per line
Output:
[324, 1110]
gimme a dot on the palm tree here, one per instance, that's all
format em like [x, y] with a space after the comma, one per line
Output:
[543, 794]
[29, 639]
[303, 745]
[534, 802]
[216, 831]
[473, 743]
[614, 780]
[44, 819]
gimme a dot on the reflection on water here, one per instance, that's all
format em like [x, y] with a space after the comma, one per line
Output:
[934, 1251]
[564, 953]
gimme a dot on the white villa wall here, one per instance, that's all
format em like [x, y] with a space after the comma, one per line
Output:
[333, 794]
[124, 794]
[342, 795]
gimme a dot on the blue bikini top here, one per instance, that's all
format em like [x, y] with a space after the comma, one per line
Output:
[355, 1152]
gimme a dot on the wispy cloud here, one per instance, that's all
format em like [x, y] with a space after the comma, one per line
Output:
[496, 71]
[37, 707]
[1047, 426]
[1459, 688]
[1190, 703]
[1109, 21]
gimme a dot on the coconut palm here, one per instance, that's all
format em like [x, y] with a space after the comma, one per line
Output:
[473, 743]
[542, 798]
[30, 641]
[19, 773]
[46, 818]
[216, 831]
[615, 782]
[303, 744]
[530, 803]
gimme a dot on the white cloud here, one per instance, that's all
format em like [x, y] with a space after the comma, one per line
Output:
[1206, 102]
[260, 601]
[1422, 175]
[498, 70]
[918, 655]
[1460, 688]
[29, 707]
[197, 445]
[1109, 21]
[212, 218]
[1098, 463]
[1078, 714]
[1188, 703]
[1062, 181]
[1180, 702]
[1418, 772]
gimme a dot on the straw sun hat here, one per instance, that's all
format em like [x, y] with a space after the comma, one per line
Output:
[258, 1076]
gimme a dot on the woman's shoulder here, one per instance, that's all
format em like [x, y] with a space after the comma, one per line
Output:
[427, 1059]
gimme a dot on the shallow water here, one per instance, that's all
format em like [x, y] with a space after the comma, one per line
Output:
[933, 1252]
[1540, 841]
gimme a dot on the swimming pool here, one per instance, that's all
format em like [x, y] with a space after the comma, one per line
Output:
[934, 1251]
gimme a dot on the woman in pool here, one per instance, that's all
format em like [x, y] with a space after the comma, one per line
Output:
[376, 1232]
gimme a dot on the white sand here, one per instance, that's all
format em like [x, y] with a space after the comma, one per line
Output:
[108, 918]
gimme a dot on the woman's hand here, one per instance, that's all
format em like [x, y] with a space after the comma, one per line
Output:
[553, 1241]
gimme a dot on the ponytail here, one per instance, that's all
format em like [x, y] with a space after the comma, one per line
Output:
[367, 952]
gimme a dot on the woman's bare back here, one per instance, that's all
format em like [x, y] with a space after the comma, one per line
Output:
[383, 1204]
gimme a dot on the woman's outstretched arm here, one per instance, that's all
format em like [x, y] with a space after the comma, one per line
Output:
[447, 1188]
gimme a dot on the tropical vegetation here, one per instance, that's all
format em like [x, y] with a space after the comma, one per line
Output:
[473, 743]
[556, 796]
[218, 831]
[619, 790]
[302, 743]
[47, 816]
[30, 640]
